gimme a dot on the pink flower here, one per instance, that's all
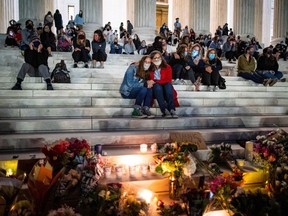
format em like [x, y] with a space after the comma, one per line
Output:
[272, 158]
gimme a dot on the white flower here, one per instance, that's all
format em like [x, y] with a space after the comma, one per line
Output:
[190, 167]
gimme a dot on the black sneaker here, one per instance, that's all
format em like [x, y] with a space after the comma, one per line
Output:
[17, 86]
[146, 111]
[283, 80]
[137, 113]
[49, 86]
[86, 65]
[75, 65]
[166, 114]
[173, 114]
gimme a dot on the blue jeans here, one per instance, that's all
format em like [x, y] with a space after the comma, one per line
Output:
[252, 76]
[164, 96]
[277, 75]
[142, 95]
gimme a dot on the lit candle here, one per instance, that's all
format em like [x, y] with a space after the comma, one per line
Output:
[217, 213]
[152, 168]
[132, 171]
[107, 171]
[9, 172]
[249, 151]
[147, 195]
[143, 148]
[119, 171]
[144, 170]
[154, 148]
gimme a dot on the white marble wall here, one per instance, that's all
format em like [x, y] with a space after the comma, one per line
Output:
[218, 14]
[7, 12]
[145, 14]
[182, 11]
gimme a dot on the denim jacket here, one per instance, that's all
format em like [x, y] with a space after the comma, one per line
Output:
[130, 80]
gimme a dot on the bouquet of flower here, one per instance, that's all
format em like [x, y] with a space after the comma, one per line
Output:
[173, 209]
[220, 153]
[271, 149]
[176, 159]
[64, 210]
[224, 187]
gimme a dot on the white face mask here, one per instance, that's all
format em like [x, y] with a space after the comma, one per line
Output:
[158, 62]
[146, 66]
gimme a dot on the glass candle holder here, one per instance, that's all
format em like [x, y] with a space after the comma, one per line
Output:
[107, 171]
[143, 148]
[119, 171]
[132, 171]
[144, 170]
[98, 149]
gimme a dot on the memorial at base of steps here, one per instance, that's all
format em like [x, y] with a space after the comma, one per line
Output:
[77, 178]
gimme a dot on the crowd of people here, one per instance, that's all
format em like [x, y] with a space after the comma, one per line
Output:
[197, 59]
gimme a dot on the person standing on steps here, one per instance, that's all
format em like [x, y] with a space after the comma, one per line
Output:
[136, 85]
[35, 65]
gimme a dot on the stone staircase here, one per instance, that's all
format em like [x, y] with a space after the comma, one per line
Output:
[92, 108]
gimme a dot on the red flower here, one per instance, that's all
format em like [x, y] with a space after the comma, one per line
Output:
[79, 147]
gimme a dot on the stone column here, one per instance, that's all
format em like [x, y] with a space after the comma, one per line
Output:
[130, 12]
[244, 17]
[93, 15]
[280, 26]
[35, 10]
[145, 19]
[7, 13]
[218, 13]
[200, 16]
[182, 11]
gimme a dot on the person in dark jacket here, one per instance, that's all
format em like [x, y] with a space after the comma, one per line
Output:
[98, 48]
[58, 21]
[81, 49]
[35, 65]
[129, 27]
[48, 39]
[156, 46]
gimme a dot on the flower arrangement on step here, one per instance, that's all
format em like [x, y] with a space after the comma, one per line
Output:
[220, 154]
[270, 151]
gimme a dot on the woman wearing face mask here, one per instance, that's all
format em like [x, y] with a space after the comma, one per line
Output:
[211, 65]
[163, 91]
[142, 50]
[193, 63]
[179, 63]
[81, 49]
[79, 20]
[48, 39]
[115, 47]
[136, 85]
[27, 34]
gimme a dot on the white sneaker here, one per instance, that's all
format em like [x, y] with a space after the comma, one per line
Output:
[209, 88]
[182, 82]
[216, 88]
[177, 82]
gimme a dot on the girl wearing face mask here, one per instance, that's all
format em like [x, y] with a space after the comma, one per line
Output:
[48, 39]
[136, 85]
[211, 65]
[193, 63]
[163, 91]
[179, 63]
[81, 49]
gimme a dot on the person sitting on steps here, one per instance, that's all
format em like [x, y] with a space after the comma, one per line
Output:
[99, 49]
[136, 85]
[81, 49]
[35, 64]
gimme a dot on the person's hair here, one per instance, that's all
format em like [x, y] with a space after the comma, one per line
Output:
[196, 45]
[184, 38]
[141, 73]
[248, 48]
[164, 63]
[57, 11]
[100, 34]
[78, 39]
[206, 57]
[27, 21]
[181, 50]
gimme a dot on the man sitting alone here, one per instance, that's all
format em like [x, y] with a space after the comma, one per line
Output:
[35, 64]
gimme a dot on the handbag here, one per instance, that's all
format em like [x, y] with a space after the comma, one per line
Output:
[60, 74]
[221, 83]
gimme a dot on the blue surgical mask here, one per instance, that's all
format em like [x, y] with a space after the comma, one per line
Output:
[185, 53]
[211, 56]
[195, 53]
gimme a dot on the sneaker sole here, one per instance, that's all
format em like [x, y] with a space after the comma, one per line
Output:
[139, 117]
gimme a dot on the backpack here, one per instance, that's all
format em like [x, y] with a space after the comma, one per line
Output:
[221, 83]
[60, 74]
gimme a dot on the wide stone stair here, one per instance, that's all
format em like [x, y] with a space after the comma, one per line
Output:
[92, 108]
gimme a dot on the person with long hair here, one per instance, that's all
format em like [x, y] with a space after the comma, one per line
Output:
[81, 49]
[99, 49]
[136, 85]
[211, 65]
[48, 39]
[161, 75]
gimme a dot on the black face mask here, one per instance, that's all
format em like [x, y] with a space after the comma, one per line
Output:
[115, 43]
[81, 15]
[29, 26]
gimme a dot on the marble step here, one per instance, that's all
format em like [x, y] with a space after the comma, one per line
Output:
[70, 110]
[109, 86]
[115, 94]
[25, 142]
[26, 101]
[96, 124]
